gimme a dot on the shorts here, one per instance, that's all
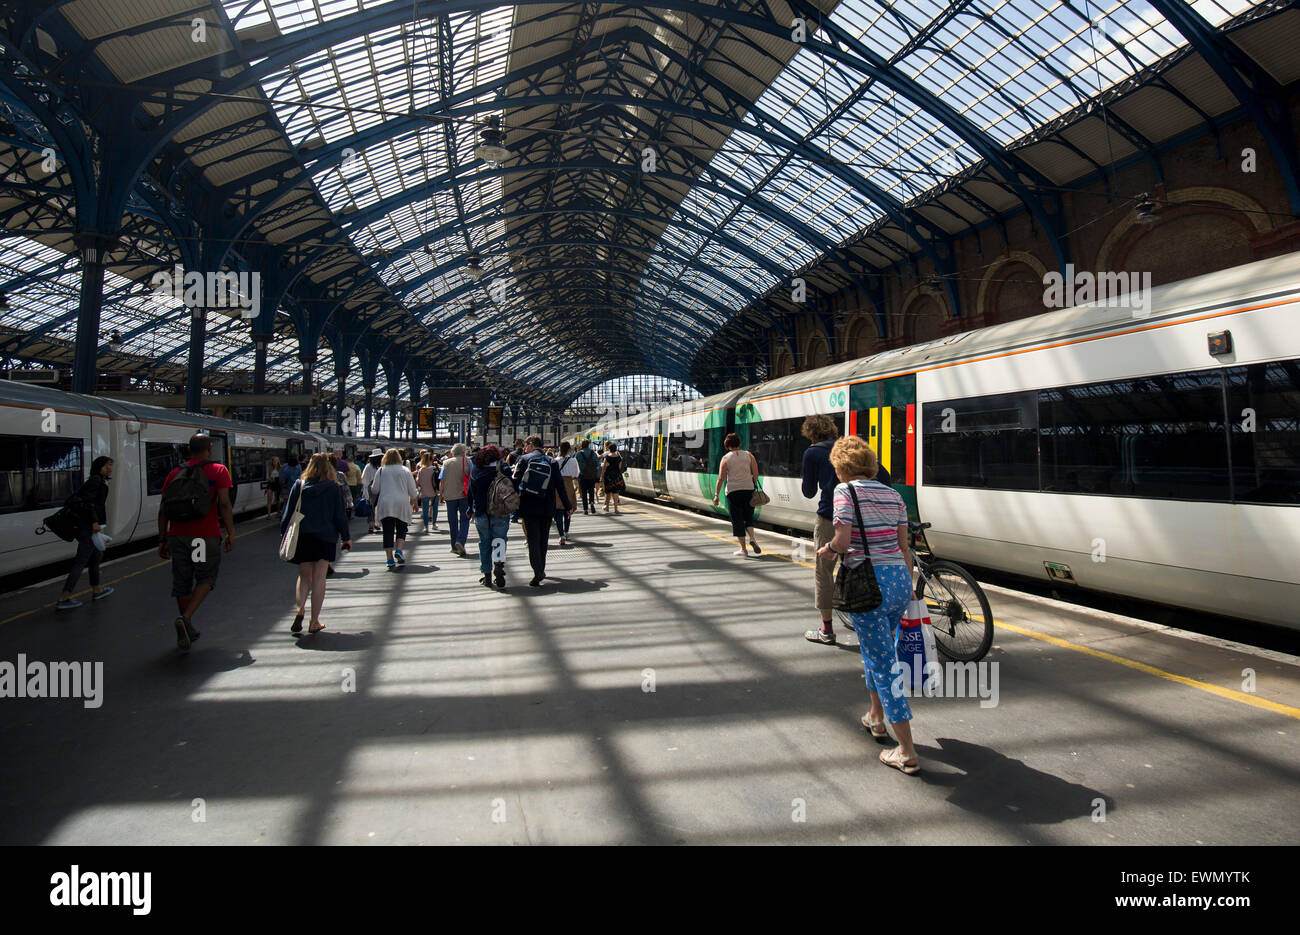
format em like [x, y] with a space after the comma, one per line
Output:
[312, 549]
[188, 574]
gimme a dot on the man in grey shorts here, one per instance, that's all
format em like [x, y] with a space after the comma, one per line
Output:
[195, 545]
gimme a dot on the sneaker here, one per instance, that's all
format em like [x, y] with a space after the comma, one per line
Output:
[401, 559]
[563, 541]
[194, 634]
[499, 569]
[69, 604]
[741, 552]
[819, 636]
[182, 634]
[486, 580]
[535, 583]
[392, 565]
[102, 594]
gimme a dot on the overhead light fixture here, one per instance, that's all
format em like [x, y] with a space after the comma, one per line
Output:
[1145, 210]
[493, 148]
[473, 268]
[115, 341]
[472, 314]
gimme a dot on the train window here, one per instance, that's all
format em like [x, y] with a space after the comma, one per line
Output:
[687, 451]
[1264, 409]
[159, 459]
[988, 441]
[1160, 437]
[778, 444]
[248, 465]
[15, 478]
[58, 470]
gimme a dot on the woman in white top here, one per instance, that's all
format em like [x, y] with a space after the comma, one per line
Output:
[394, 494]
[738, 472]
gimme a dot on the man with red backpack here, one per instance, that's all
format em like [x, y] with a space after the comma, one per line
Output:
[189, 533]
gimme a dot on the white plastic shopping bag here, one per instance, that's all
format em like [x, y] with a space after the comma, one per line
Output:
[100, 541]
[918, 658]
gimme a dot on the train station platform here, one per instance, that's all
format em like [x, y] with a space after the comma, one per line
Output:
[434, 710]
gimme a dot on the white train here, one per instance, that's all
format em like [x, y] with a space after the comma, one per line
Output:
[1156, 457]
[48, 439]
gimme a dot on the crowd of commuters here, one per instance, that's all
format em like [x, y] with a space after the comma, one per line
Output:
[858, 515]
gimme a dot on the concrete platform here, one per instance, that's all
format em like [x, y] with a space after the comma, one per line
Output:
[482, 717]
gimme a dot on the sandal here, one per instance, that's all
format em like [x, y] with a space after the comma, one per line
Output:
[877, 728]
[819, 636]
[297, 623]
[316, 629]
[894, 758]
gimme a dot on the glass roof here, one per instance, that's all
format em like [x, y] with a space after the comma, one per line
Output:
[42, 285]
[824, 153]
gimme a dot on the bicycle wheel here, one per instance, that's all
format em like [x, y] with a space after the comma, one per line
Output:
[959, 612]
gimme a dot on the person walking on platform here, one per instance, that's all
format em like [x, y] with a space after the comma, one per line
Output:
[738, 472]
[489, 464]
[568, 468]
[537, 478]
[367, 478]
[588, 475]
[819, 480]
[426, 479]
[394, 495]
[91, 501]
[864, 505]
[354, 479]
[289, 473]
[272, 487]
[611, 476]
[318, 495]
[453, 485]
[190, 537]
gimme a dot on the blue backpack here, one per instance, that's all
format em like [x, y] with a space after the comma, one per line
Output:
[537, 477]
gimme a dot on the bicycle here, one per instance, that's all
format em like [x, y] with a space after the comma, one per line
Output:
[958, 608]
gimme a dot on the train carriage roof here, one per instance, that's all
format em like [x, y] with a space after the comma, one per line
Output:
[1225, 288]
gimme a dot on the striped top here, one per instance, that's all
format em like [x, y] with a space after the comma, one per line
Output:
[883, 511]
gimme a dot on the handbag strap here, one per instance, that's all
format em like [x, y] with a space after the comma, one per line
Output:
[866, 546]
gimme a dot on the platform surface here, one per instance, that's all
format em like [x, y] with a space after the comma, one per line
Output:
[525, 717]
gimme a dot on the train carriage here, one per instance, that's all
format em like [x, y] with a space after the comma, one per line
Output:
[1150, 452]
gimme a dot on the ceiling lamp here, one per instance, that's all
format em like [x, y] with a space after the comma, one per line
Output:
[472, 314]
[473, 268]
[115, 341]
[1146, 209]
[493, 148]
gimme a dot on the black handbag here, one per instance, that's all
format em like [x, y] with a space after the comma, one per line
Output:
[856, 589]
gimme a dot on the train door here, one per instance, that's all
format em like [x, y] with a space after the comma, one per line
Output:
[221, 454]
[659, 462]
[294, 446]
[884, 413]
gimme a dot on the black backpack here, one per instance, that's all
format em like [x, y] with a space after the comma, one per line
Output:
[588, 467]
[188, 497]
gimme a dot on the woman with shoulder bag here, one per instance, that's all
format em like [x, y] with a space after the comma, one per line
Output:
[870, 522]
[611, 476]
[738, 472]
[92, 498]
[324, 524]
